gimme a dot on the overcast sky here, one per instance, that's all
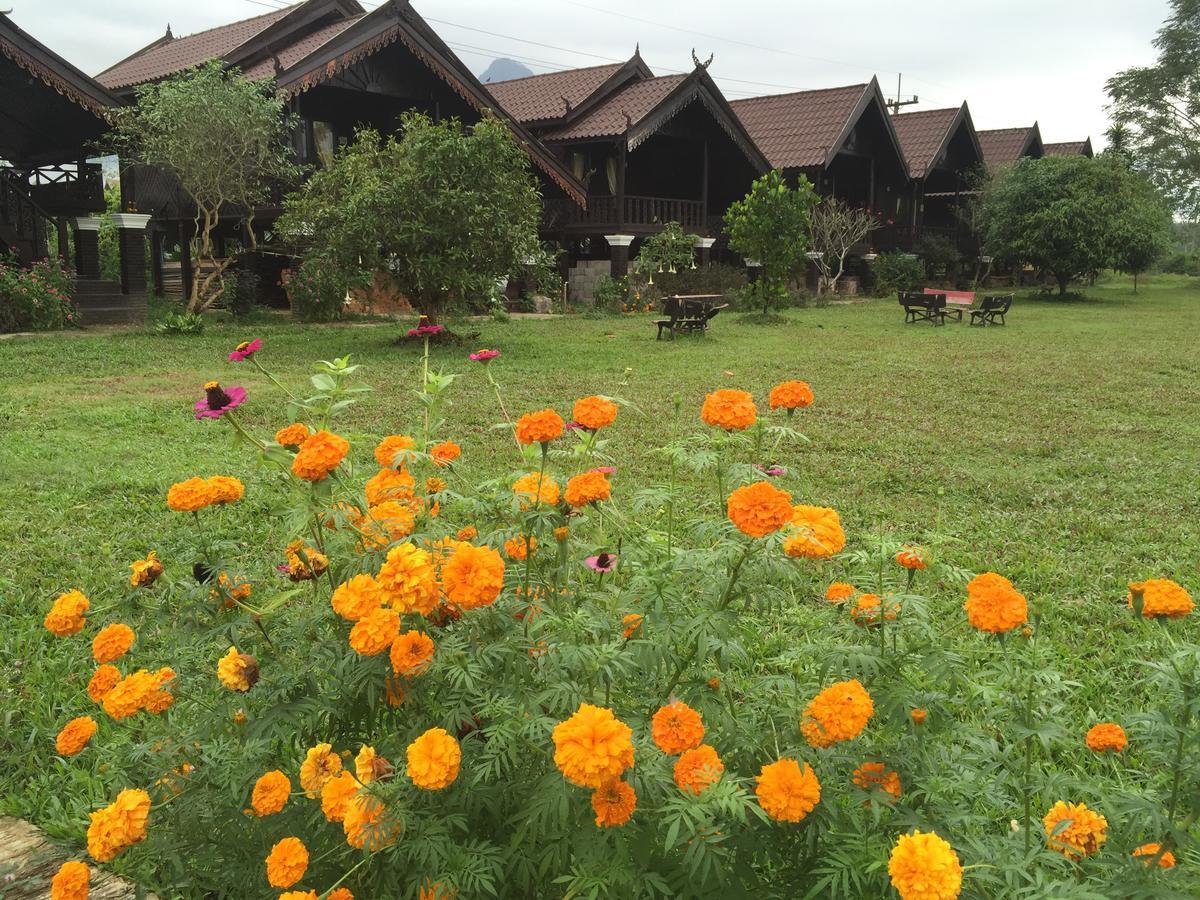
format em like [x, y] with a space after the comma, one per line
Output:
[1014, 61]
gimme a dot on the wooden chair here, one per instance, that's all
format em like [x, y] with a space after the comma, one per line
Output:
[992, 310]
[673, 310]
[686, 314]
[929, 308]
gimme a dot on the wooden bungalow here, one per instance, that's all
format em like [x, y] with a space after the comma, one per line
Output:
[943, 154]
[340, 68]
[1004, 146]
[844, 141]
[649, 150]
[51, 115]
[1071, 148]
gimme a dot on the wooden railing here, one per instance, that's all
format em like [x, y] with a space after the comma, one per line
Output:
[637, 213]
[22, 221]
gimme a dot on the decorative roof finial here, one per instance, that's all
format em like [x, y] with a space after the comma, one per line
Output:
[168, 36]
[566, 105]
[701, 65]
[637, 49]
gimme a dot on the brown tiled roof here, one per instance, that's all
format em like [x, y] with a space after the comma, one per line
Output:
[1002, 146]
[539, 97]
[1069, 148]
[922, 135]
[800, 129]
[293, 53]
[163, 57]
[621, 111]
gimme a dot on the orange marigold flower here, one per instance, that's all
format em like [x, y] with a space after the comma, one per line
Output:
[394, 518]
[1161, 597]
[434, 485]
[320, 764]
[104, 679]
[433, 760]
[815, 533]
[411, 653]
[336, 794]
[923, 866]
[592, 746]
[75, 735]
[536, 488]
[697, 769]
[1152, 851]
[407, 580]
[319, 455]
[389, 452]
[237, 671]
[838, 713]
[197, 493]
[71, 881]
[340, 894]
[875, 776]
[562, 533]
[539, 427]
[304, 563]
[292, 435]
[729, 409]
[160, 699]
[287, 862]
[225, 489]
[370, 766]
[676, 727]
[144, 572]
[270, 793]
[786, 792]
[301, 895]
[474, 576]
[112, 642]
[356, 597]
[389, 484]
[839, 592]
[759, 509]
[366, 825]
[130, 695]
[468, 533]
[994, 605]
[594, 413]
[867, 608]
[1107, 736]
[374, 632]
[912, 557]
[588, 487]
[445, 453]
[613, 803]
[519, 548]
[919, 716]
[66, 615]
[230, 589]
[1074, 830]
[633, 624]
[791, 395]
[119, 825]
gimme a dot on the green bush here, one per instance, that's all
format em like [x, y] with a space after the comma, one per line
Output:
[939, 254]
[610, 294]
[897, 271]
[1182, 264]
[181, 323]
[317, 290]
[38, 298]
[241, 292]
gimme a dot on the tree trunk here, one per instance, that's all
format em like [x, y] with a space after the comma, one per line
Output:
[1063, 281]
[1135, 275]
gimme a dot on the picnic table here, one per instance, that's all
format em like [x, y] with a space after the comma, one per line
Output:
[957, 302]
[688, 313]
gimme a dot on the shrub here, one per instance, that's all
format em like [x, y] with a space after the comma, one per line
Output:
[610, 294]
[670, 251]
[711, 279]
[938, 253]
[37, 298]
[317, 291]
[897, 271]
[241, 292]
[183, 322]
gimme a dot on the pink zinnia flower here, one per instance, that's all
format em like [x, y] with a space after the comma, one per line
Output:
[245, 350]
[605, 562]
[772, 471]
[483, 356]
[606, 470]
[572, 426]
[424, 329]
[217, 401]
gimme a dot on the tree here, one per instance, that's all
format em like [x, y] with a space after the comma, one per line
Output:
[836, 228]
[1143, 233]
[772, 225]
[447, 210]
[226, 141]
[1071, 216]
[670, 250]
[1160, 108]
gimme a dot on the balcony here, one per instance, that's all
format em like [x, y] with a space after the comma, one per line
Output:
[636, 215]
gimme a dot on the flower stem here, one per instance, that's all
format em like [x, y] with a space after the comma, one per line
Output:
[275, 380]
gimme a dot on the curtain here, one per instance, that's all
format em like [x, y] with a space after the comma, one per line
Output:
[610, 169]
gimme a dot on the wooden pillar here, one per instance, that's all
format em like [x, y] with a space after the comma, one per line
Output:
[622, 162]
[704, 247]
[87, 247]
[64, 239]
[131, 243]
[704, 183]
[619, 261]
[871, 189]
[156, 260]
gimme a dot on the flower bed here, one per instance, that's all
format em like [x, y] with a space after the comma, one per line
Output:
[37, 298]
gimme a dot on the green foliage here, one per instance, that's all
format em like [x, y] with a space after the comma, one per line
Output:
[837, 227]
[225, 138]
[1073, 216]
[896, 271]
[241, 292]
[772, 225]
[184, 322]
[38, 298]
[447, 210]
[1182, 264]
[1155, 109]
[317, 289]
[670, 251]
[938, 253]
[610, 294]
[110, 252]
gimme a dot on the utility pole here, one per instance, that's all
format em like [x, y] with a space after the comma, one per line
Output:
[894, 105]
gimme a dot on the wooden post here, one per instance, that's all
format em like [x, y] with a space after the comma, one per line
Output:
[622, 161]
[156, 260]
[619, 261]
[704, 183]
[871, 190]
[131, 244]
[64, 239]
[87, 247]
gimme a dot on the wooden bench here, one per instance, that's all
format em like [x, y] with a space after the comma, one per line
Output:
[992, 310]
[957, 302]
[929, 308]
[687, 313]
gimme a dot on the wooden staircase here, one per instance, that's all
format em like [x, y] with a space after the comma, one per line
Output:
[23, 224]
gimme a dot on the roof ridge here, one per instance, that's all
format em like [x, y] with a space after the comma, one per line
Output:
[556, 72]
[926, 112]
[845, 87]
[282, 9]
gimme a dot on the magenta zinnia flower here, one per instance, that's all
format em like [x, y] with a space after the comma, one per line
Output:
[606, 470]
[483, 356]
[771, 471]
[217, 401]
[245, 350]
[604, 562]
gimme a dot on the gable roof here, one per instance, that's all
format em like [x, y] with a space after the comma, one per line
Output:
[52, 70]
[808, 128]
[1002, 146]
[622, 111]
[1070, 148]
[552, 94]
[925, 135]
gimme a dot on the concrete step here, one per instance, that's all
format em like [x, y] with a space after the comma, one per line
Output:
[111, 309]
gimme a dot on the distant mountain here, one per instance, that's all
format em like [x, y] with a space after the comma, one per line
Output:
[504, 70]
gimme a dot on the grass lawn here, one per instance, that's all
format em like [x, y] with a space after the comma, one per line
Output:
[1061, 450]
